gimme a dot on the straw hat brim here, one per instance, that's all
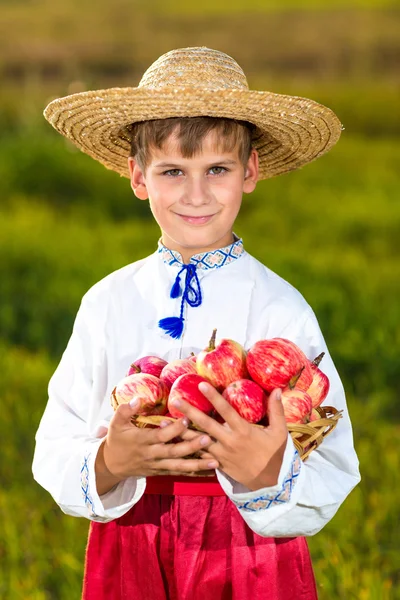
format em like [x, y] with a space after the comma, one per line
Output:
[291, 131]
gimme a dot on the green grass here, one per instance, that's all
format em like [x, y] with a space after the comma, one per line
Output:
[355, 555]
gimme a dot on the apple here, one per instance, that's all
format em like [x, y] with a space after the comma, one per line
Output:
[152, 393]
[175, 369]
[276, 362]
[314, 415]
[297, 405]
[247, 398]
[222, 363]
[153, 365]
[186, 387]
[319, 387]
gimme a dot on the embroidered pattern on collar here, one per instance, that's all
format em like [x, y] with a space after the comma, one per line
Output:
[213, 259]
[281, 497]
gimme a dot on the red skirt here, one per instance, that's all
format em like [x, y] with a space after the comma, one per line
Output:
[192, 548]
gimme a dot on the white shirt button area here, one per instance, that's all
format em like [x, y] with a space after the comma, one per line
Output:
[117, 323]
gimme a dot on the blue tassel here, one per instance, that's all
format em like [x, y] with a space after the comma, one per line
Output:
[173, 326]
[191, 294]
[176, 289]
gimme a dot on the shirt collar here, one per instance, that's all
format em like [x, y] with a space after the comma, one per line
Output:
[213, 259]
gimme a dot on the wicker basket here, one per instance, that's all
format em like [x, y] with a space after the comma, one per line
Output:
[306, 437]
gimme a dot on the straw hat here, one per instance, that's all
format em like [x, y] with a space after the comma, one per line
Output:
[189, 82]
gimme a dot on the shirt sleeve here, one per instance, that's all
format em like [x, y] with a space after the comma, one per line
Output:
[308, 494]
[66, 449]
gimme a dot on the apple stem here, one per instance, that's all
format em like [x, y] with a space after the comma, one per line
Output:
[318, 359]
[211, 343]
[135, 368]
[295, 378]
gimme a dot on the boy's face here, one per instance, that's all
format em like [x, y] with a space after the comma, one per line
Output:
[195, 201]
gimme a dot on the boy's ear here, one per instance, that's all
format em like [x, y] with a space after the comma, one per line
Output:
[138, 183]
[251, 173]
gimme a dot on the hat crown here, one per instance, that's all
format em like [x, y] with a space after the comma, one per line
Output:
[199, 67]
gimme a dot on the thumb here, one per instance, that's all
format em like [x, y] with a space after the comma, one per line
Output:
[276, 415]
[126, 411]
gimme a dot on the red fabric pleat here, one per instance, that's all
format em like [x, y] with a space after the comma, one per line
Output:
[192, 548]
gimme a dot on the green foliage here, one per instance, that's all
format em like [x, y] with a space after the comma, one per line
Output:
[48, 261]
[36, 163]
[355, 556]
[41, 549]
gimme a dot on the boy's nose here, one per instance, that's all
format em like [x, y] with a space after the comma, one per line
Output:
[196, 193]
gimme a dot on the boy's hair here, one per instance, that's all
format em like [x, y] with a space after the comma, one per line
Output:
[190, 133]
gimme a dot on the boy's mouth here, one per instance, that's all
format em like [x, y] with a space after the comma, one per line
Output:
[196, 220]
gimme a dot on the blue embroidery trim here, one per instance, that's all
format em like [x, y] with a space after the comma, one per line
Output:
[85, 486]
[214, 259]
[283, 496]
[191, 294]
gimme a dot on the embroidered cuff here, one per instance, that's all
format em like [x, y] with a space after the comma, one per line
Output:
[283, 496]
[85, 486]
[117, 501]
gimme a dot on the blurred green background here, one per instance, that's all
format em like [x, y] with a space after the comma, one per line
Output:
[331, 229]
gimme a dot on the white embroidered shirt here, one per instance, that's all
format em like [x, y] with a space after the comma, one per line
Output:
[117, 323]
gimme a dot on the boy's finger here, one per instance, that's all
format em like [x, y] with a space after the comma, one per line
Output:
[190, 434]
[276, 415]
[201, 420]
[227, 412]
[125, 412]
[166, 434]
[181, 449]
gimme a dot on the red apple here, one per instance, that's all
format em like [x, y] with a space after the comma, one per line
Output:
[153, 365]
[319, 387]
[175, 369]
[297, 405]
[186, 387]
[222, 362]
[247, 398]
[314, 415]
[152, 393]
[273, 363]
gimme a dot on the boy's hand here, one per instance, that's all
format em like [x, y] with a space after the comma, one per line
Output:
[250, 455]
[132, 451]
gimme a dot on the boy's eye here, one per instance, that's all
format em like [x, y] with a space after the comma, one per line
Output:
[173, 172]
[217, 170]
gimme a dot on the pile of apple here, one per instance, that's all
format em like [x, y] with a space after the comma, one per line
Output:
[245, 379]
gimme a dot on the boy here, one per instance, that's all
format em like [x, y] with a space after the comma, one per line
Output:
[192, 139]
